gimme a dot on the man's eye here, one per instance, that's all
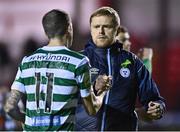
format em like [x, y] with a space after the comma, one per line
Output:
[108, 26]
[96, 26]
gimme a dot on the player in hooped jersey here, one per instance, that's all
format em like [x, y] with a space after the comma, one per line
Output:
[51, 78]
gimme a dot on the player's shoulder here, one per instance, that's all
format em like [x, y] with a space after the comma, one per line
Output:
[26, 58]
[128, 54]
[82, 59]
[75, 54]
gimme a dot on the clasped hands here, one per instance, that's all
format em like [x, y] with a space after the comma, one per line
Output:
[155, 110]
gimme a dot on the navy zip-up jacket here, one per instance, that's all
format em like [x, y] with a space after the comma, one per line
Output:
[130, 79]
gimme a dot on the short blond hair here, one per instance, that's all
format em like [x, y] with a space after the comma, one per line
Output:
[107, 11]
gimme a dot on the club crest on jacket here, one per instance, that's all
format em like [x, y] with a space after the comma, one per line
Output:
[124, 71]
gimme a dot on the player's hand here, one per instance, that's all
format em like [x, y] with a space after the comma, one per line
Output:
[103, 83]
[145, 53]
[155, 110]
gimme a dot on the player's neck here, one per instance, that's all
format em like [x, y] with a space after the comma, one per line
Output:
[57, 42]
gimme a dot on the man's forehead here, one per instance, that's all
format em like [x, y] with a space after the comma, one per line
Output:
[102, 20]
[124, 35]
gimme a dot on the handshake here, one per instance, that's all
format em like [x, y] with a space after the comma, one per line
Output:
[102, 83]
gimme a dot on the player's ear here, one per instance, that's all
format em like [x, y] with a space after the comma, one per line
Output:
[118, 30]
[68, 30]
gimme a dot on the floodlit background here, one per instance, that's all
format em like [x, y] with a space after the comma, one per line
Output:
[151, 23]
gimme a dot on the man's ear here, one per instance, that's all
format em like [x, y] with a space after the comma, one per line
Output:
[67, 33]
[69, 30]
[118, 30]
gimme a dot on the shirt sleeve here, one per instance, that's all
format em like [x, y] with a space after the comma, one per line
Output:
[83, 78]
[148, 90]
[18, 83]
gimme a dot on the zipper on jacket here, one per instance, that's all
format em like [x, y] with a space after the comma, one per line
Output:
[107, 94]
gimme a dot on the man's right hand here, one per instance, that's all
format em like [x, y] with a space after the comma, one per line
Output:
[94, 101]
[103, 83]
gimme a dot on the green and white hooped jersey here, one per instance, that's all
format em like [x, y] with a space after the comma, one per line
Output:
[51, 78]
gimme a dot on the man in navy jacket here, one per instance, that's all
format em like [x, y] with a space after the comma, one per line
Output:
[130, 78]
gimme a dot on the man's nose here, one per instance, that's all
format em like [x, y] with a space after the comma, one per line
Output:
[101, 30]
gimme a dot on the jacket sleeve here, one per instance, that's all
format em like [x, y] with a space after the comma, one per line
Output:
[147, 88]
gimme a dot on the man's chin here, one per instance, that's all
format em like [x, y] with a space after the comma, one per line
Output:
[101, 44]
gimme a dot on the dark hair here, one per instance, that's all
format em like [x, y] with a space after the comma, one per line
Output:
[55, 23]
[107, 11]
[122, 29]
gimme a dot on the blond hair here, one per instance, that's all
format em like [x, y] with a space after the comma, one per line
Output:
[107, 11]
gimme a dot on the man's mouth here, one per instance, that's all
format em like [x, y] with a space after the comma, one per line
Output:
[101, 37]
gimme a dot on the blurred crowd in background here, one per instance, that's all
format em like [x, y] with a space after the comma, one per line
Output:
[153, 24]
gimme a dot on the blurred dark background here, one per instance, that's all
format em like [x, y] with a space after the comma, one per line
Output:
[151, 23]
